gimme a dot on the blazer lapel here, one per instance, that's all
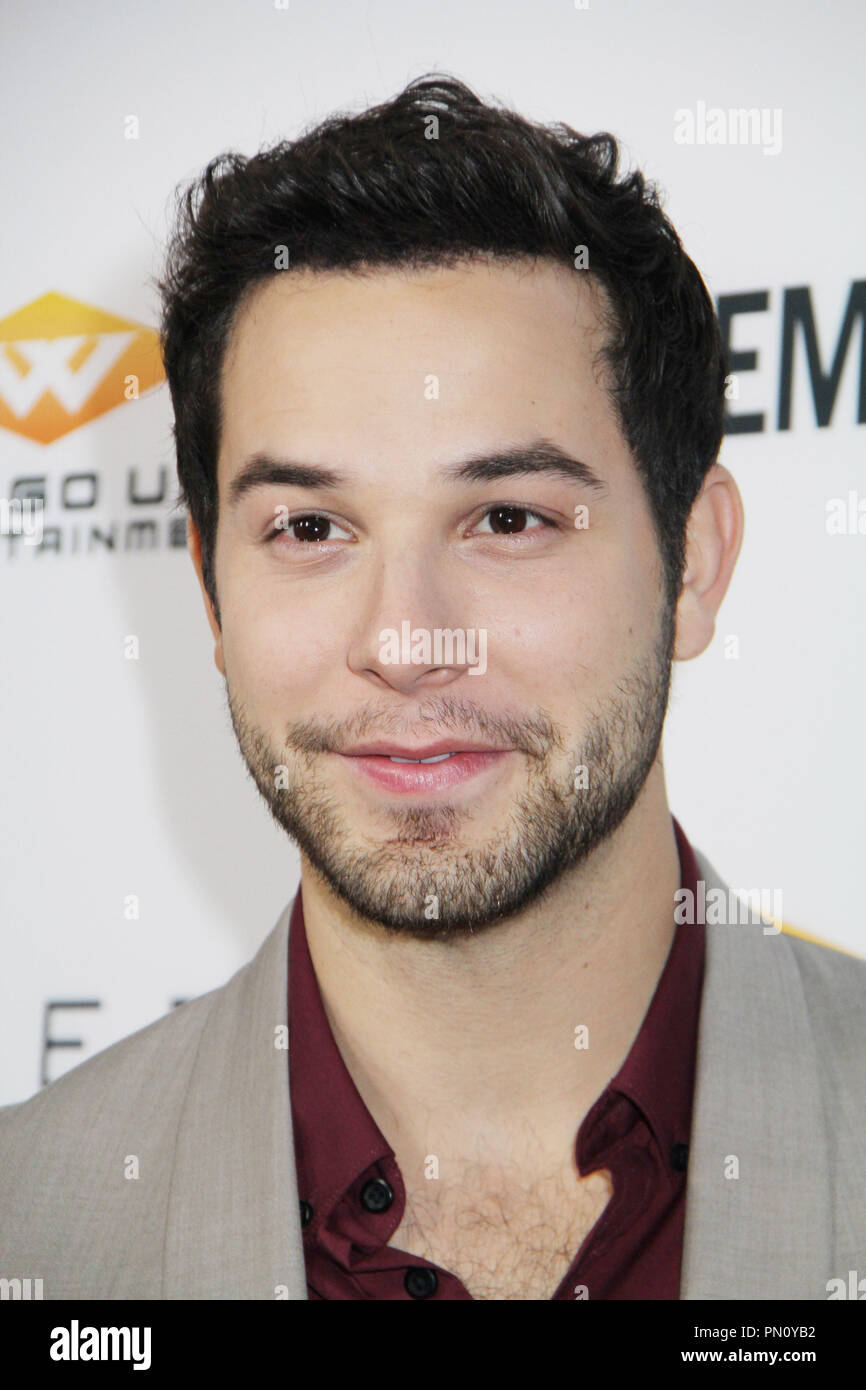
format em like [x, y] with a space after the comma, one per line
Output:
[233, 1227]
[765, 1233]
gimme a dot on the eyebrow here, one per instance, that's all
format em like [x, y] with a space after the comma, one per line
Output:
[540, 456]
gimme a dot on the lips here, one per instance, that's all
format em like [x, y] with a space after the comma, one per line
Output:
[396, 773]
[439, 758]
[422, 753]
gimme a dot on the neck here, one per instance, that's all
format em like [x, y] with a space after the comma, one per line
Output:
[467, 1046]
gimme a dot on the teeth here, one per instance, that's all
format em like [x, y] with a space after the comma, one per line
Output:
[440, 758]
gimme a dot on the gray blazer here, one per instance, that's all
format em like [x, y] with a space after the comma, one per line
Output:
[201, 1099]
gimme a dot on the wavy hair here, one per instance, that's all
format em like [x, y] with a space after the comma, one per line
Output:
[369, 190]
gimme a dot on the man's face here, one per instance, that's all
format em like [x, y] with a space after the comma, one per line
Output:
[390, 379]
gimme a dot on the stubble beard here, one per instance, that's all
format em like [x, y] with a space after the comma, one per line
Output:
[422, 879]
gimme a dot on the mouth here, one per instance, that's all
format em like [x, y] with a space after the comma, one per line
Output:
[424, 769]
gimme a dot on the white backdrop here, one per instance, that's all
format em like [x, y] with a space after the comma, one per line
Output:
[121, 777]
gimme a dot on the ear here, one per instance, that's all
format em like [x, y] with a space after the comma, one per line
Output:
[193, 543]
[713, 539]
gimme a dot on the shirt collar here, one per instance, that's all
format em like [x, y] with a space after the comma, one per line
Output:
[337, 1139]
[658, 1074]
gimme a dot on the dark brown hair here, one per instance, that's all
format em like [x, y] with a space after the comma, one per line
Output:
[372, 189]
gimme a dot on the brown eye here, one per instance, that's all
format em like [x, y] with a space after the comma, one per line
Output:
[309, 529]
[509, 521]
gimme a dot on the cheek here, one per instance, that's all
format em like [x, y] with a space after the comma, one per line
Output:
[569, 646]
[627, 589]
[277, 661]
[584, 623]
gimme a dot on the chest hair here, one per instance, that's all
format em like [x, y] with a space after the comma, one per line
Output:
[503, 1239]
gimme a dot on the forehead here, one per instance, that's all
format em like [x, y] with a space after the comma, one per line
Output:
[408, 361]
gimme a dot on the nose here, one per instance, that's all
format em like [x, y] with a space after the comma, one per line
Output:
[409, 637]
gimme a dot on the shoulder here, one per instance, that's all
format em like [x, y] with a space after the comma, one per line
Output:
[90, 1165]
[141, 1075]
[791, 970]
[834, 988]
[68, 1153]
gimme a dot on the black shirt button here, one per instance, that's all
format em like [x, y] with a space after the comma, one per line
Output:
[420, 1282]
[680, 1157]
[306, 1213]
[376, 1195]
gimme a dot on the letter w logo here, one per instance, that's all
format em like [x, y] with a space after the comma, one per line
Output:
[51, 369]
[63, 363]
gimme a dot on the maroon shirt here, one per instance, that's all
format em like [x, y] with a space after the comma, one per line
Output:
[352, 1194]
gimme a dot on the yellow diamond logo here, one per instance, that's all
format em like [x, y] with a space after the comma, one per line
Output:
[63, 363]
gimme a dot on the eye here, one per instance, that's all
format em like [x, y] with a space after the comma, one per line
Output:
[512, 519]
[314, 528]
[308, 529]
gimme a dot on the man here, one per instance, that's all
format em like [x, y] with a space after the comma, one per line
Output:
[448, 398]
